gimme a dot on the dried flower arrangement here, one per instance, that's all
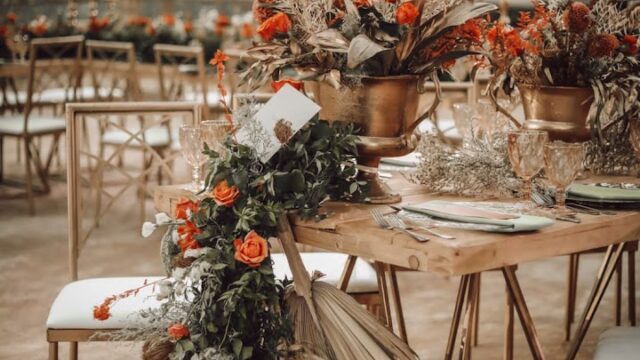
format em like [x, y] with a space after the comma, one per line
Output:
[571, 44]
[308, 39]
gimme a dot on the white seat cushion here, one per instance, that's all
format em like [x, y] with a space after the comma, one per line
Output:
[213, 97]
[154, 137]
[363, 279]
[14, 124]
[60, 95]
[618, 343]
[73, 308]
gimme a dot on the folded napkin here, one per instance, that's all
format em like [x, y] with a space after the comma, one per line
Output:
[604, 193]
[475, 215]
[411, 160]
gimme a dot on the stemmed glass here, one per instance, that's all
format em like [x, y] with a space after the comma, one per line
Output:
[191, 143]
[213, 133]
[526, 153]
[563, 161]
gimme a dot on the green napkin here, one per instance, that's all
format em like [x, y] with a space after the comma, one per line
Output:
[521, 223]
[604, 193]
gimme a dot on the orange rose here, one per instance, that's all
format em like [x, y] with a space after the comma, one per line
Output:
[183, 208]
[188, 26]
[252, 251]
[277, 85]
[101, 312]
[407, 14]
[631, 43]
[602, 45]
[187, 231]
[223, 21]
[277, 24]
[12, 17]
[178, 331]
[361, 3]
[169, 19]
[247, 31]
[225, 195]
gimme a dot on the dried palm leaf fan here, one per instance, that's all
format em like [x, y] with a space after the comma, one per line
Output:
[328, 323]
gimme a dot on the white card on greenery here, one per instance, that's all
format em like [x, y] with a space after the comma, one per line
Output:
[277, 121]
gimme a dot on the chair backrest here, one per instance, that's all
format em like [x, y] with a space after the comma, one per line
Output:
[54, 63]
[182, 74]
[112, 67]
[89, 167]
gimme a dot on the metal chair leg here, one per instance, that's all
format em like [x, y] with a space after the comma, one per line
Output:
[631, 288]
[572, 284]
[605, 273]
[29, 184]
[457, 311]
[53, 351]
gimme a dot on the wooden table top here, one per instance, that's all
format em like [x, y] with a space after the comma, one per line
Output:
[351, 230]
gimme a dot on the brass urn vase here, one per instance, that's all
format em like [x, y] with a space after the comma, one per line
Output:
[384, 109]
[559, 110]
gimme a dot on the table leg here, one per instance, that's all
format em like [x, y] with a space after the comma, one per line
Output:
[466, 337]
[395, 292]
[523, 312]
[384, 291]
[508, 327]
[631, 258]
[608, 267]
[455, 321]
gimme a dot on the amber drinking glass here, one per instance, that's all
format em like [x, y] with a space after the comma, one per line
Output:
[563, 161]
[526, 153]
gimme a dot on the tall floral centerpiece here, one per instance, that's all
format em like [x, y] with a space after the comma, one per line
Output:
[364, 62]
[575, 65]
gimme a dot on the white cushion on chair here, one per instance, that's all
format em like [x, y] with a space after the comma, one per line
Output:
[73, 308]
[61, 95]
[363, 279]
[14, 124]
[618, 343]
[154, 137]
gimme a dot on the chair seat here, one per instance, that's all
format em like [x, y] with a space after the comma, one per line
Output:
[213, 98]
[363, 279]
[73, 307]
[154, 137]
[14, 124]
[61, 95]
[618, 343]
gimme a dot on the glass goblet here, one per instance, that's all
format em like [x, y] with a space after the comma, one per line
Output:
[526, 153]
[191, 144]
[213, 133]
[563, 161]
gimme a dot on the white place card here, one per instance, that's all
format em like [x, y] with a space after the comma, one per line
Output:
[277, 121]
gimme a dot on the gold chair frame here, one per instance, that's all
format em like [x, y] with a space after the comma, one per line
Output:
[114, 61]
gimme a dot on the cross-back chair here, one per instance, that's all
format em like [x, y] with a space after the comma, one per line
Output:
[70, 317]
[112, 68]
[53, 63]
[182, 75]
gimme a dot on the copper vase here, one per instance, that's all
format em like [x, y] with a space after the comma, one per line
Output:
[559, 110]
[385, 111]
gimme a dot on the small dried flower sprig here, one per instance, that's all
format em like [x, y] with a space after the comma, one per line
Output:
[102, 312]
[218, 61]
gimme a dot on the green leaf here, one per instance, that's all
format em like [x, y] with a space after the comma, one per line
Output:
[247, 352]
[236, 345]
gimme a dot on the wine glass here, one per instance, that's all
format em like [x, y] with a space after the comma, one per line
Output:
[213, 133]
[526, 153]
[191, 143]
[563, 161]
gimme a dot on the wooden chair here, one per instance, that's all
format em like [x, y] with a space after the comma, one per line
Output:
[70, 317]
[182, 75]
[112, 68]
[572, 283]
[53, 62]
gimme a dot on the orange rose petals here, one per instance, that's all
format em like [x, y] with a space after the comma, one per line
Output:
[602, 45]
[277, 85]
[184, 207]
[225, 195]
[178, 331]
[277, 24]
[576, 17]
[102, 312]
[186, 233]
[631, 43]
[252, 251]
[407, 14]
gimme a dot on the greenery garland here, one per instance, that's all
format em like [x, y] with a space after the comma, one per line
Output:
[222, 299]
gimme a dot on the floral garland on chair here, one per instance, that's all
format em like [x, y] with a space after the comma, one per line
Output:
[221, 300]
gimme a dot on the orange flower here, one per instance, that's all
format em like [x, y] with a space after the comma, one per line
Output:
[277, 24]
[139, 21]
[602, 45]
[178, 331]
[631, 43]
[277, 85]
[514, 43]
[186, 233]
[4, 30]
[223, 21]
[40, 28]
[225, 195]
[407, 14]
[169, 19]
[247, 31]
[102, 312]
[183, 208]
[188, 26]
[12, 17]
[219, 58]
[252, 251]
[576, 17]
[361, 3]
[97, 25]
[151, 31]
[262, 13]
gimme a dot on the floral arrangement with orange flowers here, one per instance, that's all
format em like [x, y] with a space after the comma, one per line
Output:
[576, 44]
[222, 300]
[312, 38]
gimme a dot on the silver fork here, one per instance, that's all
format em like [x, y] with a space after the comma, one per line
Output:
[396, 219]
[397, 223]
[384, 223]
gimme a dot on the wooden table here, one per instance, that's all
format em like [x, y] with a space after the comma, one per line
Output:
[351, 230]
